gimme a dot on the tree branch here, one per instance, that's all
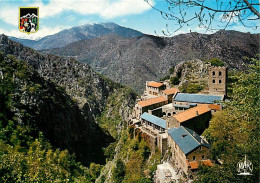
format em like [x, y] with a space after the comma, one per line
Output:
[252, 8]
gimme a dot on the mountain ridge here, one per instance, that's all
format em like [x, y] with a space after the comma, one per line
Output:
[147, 57]
[87, 31]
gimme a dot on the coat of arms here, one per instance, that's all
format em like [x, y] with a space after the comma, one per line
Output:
[29, 19]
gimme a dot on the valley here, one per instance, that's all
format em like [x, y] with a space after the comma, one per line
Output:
[77, 94]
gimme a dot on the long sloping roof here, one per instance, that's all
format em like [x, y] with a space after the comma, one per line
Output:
[152, 101]
[197, 98]
[191, 113]
[154, 119]
[186, 139]
[155, 84]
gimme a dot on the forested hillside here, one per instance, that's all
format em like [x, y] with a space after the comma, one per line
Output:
[234, 132]
[26, 154]
[62, 99]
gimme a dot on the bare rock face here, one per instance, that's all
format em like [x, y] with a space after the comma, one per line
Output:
[67, 102]
[193, 71]
[132, 61]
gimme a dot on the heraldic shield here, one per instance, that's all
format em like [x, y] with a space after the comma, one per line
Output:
[29, 19]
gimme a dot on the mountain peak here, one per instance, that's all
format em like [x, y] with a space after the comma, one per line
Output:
[83, 32]
[110, 24]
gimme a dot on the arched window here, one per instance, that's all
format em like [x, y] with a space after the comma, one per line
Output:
[213, 73]
[202, 157]
[194, 158]
[219, 81]
[213, 81]
[220, 73]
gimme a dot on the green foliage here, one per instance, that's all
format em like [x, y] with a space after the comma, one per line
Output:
[171, 70]
[165, 78]
[174, 80]
[25, 155]
[234, 132]
[179, 73]
[110, 151]
[216, 62]
[118, 171]
[190, 88]
[36, 163]
[110, 119]
[140, 160]
[94, 170]
[145, 151]
[131, 131]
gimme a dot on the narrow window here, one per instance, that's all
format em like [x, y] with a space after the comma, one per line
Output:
[213, 81]
[219, 81]
[213, 73]
[194, 158]
[202, 157]
[220, 73]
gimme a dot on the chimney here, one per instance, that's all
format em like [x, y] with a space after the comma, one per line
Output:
[197, 113]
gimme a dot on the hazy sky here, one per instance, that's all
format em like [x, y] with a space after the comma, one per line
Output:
[56, 15]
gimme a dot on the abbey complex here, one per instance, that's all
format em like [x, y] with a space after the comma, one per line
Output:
[173, 122]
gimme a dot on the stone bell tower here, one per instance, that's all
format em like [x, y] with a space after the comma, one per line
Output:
[218, 81]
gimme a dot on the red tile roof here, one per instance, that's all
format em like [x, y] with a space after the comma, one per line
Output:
[152, 101]
[170, 91]
[155, 84]
[216, 107]
[191, 113]
[195, 165]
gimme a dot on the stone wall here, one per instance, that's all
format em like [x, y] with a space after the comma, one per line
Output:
[177, 109]
[156, 112]
[217, 80]
[153, 90]
[172, 122]
[199, 123]
[138, 110]
[162, 142]
[178, 156]
[198, 153]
